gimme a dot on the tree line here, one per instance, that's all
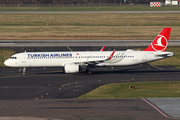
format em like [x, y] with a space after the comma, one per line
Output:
[73, 1]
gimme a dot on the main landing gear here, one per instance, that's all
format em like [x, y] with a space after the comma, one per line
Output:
[89, 72]
[24, 71]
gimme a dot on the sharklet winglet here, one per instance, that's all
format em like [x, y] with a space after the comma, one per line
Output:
[102, 49]
[110, 57]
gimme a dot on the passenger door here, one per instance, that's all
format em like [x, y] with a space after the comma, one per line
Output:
[23, 58]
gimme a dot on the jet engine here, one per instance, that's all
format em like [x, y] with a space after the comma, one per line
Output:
[71, 68]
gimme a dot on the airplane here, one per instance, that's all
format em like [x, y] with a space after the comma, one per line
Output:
[73, 62]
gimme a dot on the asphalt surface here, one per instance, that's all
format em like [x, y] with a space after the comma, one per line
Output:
[51, 94]
[75, 43]
[85, 12]
[40, 81]
[65, 48]
[101, 109]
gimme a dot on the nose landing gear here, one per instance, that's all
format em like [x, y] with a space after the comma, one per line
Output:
[24, 71]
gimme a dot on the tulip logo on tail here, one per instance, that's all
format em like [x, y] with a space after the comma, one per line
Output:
[160, 43]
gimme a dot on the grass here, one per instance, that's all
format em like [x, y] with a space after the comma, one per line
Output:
[90, 19]
[79, 32]
[158, 89]
[5, 54]
[87, 26]
[87, 32]
[95, 8]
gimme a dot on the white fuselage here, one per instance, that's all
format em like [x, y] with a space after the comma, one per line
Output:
[59, 59]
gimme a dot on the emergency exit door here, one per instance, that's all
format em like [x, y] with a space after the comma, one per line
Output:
[23, 58]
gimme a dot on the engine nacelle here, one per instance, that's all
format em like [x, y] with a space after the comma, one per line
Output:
[71, 68]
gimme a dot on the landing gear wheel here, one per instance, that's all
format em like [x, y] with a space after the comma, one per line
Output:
[89, 72]
[24, 71]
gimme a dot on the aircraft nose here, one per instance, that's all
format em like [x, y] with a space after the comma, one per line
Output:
[6, 63]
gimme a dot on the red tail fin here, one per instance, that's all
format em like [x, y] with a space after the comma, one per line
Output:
[160, 42]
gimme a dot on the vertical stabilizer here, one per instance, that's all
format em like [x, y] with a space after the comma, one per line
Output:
[160, 43]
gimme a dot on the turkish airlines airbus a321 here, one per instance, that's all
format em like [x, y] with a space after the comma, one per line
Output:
[73, 62]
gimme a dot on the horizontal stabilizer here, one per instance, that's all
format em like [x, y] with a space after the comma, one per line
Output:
[164, 54]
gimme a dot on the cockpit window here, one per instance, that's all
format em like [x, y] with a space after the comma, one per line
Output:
[13, 57]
